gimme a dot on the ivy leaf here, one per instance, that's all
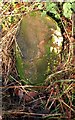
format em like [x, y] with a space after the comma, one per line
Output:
[66, 6]
[71, 0]
[73, 6]
[67, 12]
[52, 7]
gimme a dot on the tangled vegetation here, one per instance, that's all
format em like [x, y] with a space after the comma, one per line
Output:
[55, 98]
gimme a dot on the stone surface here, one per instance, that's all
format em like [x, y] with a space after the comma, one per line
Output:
[34, 40]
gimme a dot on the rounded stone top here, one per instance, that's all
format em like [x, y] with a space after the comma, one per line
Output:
[34, 40]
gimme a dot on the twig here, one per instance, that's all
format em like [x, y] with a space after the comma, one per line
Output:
[25, 86]
[68, 106]
[56, 73]
[28, 114]
[52, 104]
[33, 101]
[48, 99]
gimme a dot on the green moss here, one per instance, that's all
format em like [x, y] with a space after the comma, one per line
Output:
[20, 65]
[33, 14]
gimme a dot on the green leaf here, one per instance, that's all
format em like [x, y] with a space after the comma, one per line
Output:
[73, 6]
[52, 7]
[67, 12]
[71, 0]
[66, 6]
